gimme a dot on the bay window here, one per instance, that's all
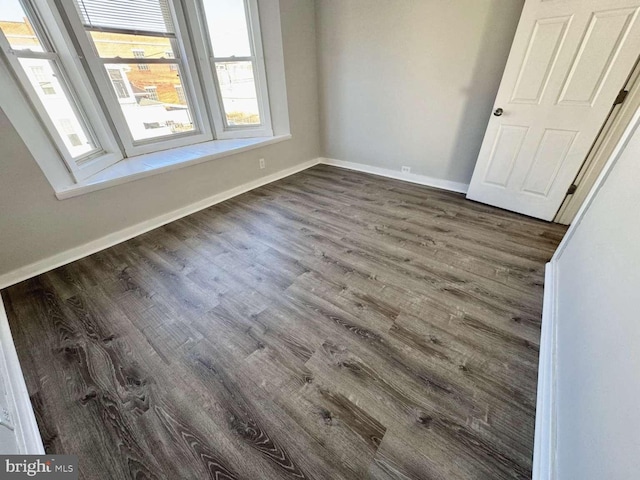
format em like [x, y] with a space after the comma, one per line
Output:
[112, 80]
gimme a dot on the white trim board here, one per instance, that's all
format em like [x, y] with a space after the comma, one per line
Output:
[544, 449]
[407, 177]
[120, 236]
[27, 435]
[142, 166]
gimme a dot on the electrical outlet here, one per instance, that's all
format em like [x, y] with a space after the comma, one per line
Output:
[261, 161]
[406, 169]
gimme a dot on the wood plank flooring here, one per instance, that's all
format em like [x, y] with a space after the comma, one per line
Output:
[332, 325]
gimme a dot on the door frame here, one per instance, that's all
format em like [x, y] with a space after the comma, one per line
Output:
[612, 130]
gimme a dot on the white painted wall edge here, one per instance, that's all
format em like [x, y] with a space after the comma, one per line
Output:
[407, 177]
[24, 420]
[120, 236]
[615, 155]
[544, 448]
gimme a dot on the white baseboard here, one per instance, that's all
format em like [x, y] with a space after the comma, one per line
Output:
[407, 177]
[544, 450]
[25, 428]
[107, 241]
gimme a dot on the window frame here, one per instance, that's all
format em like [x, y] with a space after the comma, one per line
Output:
[195, 97]
[202, 44]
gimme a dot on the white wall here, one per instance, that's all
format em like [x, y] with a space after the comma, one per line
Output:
[598, 332]
[34, 225]
[411, 82]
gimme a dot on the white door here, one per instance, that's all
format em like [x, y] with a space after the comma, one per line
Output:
[568, 62]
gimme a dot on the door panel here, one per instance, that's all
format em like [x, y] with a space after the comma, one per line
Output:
[542, 51]
[598, 50]
[505, 151]
[568, 62]
[551, 155]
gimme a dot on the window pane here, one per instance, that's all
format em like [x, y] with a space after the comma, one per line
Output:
[43, 76]
[17, 28]
[238, 90]
[122, 45]
[227, 25]
[150, 100]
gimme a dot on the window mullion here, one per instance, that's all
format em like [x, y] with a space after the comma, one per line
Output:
[189, 65]
[253, 21]
[233, 59]
[209, 82]
[142, 61]
[32, 54]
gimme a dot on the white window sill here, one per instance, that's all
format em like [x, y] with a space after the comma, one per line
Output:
[142, 166]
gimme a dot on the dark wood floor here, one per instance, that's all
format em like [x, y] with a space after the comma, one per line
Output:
[332, 325]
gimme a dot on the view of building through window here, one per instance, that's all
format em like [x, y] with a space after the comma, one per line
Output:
[146, 91]
[140, 54]
[117, 80]
[152, 93]
[45, 81]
